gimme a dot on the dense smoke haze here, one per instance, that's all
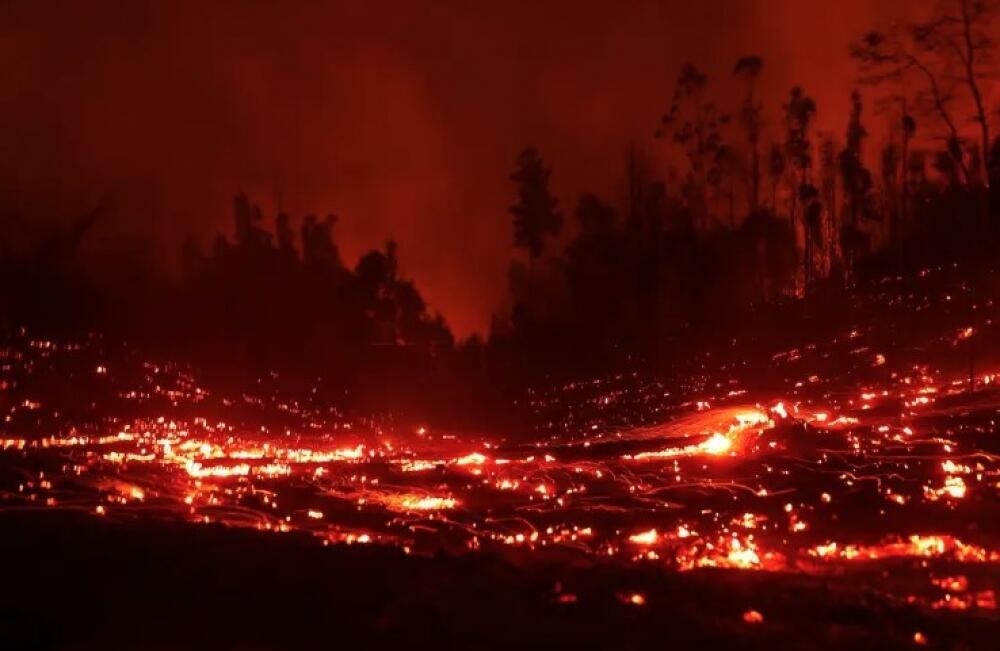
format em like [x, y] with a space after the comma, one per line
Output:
[403, 118]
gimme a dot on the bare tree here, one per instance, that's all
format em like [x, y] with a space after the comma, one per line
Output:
[750, 67]
[950, 50]
[829, 171]
[960, 34]
[858, 185]
[776, 169]
[693, 124]
[909, 128]
[799, 114]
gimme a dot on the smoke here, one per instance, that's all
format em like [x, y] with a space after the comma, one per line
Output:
[403, 118]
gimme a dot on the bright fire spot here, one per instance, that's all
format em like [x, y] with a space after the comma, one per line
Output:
[951, 467]
[740, 556]
[417, 466]
[953, 583]
[954, 488]
[716, 444]
[645, 538]
[428, 503]
[474, 459]
[633, 598]
[752, 617]
[916, 546]
[748, 419]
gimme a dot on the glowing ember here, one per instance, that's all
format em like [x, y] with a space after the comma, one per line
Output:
[633, 598]
[645, 538]
[716, 444]
[428, 503]
[713, 485]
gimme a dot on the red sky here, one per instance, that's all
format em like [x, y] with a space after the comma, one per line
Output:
[402, 117]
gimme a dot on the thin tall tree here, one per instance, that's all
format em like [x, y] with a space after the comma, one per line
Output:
[535, 217]
[750, 67]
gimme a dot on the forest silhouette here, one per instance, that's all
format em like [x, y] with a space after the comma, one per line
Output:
[758, 218]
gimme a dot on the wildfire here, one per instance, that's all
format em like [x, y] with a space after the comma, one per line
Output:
[735, 487]
[716, 444]
[917, 546]
[645, 538]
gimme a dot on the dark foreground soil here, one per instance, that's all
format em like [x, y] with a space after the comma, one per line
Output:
[76, 582]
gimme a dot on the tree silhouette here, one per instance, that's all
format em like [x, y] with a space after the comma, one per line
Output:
[249, 235]
[960, 33]
[750, 67]
[637, 185]
[889, 168]
[318, 247]
[799, 113]
[675, 254]
[906, 52]
[776, 169]
[857, 183]
[908, 128]
[694, 124]
[829, 173]
[775, 260]
[725, 171]
[596, 268]
[812, 216]
[535, 217]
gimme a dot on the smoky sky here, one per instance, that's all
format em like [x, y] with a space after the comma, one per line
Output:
[404, 118]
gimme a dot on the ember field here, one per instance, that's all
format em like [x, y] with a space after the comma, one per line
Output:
[854, 477]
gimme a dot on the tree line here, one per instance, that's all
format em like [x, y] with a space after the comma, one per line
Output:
[758, 207]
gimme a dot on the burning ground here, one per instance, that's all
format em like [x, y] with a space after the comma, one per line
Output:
[838, 492]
